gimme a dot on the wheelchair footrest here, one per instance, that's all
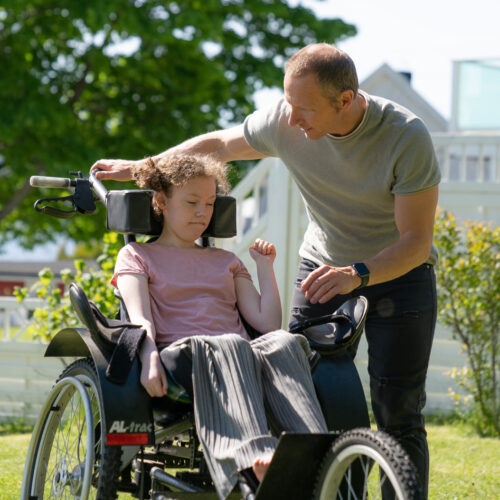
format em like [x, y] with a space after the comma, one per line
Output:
[297, 456]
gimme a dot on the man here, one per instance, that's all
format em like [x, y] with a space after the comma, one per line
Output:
[368, 174]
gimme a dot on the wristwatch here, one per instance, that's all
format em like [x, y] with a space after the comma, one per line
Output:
[363, 272]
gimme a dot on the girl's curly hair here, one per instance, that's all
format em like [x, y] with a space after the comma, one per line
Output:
[175, 169]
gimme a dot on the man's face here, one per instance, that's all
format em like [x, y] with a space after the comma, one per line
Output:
[310, 110]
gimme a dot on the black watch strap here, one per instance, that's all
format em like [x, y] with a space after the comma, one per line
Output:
[363, 272]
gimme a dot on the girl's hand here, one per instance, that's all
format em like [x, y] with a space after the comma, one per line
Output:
[153, 377]
[263, 251]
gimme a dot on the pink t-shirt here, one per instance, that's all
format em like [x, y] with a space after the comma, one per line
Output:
[191, 290]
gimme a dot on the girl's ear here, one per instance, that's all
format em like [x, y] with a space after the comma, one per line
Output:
[159, 200]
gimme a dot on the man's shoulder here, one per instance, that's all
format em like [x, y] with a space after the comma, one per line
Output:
[391, 111]
[274, 111]
[267, 127]
[395, 120]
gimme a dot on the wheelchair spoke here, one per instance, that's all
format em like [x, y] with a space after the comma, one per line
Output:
[67, 457]
[69, 451]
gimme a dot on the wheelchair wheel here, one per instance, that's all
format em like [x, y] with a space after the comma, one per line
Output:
[67, 457]
[365, 464]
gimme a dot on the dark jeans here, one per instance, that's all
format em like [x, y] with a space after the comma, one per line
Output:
[399, 330]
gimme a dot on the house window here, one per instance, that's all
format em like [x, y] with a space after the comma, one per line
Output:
[477, 85]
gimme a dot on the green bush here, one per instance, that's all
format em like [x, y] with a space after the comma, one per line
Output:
[468, 279]
[58, 313]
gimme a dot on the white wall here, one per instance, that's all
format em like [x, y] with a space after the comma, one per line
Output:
[25, 379]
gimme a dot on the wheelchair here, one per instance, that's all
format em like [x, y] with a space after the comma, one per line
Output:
[100, 434]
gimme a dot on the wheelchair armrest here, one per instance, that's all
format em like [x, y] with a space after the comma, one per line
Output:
[301, 325]
[334, 332]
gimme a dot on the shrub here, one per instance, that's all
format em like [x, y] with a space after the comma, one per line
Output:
[469, 304]
[58, 313]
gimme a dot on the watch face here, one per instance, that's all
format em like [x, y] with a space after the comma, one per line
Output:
[361, 269]
[363, 272]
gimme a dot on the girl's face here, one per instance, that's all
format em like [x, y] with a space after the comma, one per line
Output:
[187, 211]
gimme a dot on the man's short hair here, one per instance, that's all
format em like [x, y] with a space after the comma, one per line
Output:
[334, 69]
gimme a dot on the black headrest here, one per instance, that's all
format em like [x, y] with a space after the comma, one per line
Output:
[131, 211]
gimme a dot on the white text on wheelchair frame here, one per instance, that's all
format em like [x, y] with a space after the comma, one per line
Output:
[119, 427]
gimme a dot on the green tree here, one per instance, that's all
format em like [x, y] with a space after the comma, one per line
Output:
[469, 303]
[83, 80]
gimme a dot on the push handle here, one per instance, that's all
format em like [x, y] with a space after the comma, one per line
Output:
[98, 187]
[51, 182]
[81, 199]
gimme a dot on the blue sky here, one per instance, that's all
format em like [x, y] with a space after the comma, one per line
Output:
[423, 37]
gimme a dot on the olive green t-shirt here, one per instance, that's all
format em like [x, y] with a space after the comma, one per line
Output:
[348, 183]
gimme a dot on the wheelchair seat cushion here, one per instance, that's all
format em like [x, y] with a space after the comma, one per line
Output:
[175, 405]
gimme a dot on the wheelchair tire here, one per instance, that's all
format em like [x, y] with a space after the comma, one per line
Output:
[67, 457]
[366, 464]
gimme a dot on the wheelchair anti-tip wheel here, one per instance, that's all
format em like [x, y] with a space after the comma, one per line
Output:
[67, 457]
[366, 464]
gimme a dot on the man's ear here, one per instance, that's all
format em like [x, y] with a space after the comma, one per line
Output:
[346, 99]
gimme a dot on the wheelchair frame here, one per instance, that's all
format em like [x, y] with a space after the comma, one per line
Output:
[120, 428]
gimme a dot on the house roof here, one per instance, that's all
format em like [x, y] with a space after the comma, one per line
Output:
[385, 82]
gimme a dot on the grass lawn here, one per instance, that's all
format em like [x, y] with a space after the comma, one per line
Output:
[462, 465]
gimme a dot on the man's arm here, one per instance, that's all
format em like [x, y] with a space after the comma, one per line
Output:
[226, 145]
[414, 215]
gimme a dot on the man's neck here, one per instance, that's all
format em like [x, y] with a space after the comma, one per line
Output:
[358, 111]
[354, 115]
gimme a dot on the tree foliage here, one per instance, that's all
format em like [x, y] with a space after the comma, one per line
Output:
[83, 80]
[469, 303]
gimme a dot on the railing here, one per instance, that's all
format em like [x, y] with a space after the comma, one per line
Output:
[16, 314]
[468, 156]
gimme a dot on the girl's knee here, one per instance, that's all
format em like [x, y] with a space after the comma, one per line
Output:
[281, 340]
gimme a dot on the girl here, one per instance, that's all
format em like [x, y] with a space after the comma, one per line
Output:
[189, 300]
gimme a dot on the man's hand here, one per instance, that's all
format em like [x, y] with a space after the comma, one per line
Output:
[327, 281]
[263, 251]
[114, 170]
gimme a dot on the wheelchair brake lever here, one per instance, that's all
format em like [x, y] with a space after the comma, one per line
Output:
[82, 199]
[53, 211]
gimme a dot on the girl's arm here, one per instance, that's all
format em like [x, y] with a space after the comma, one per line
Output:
[262, 311]
[135, 293]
